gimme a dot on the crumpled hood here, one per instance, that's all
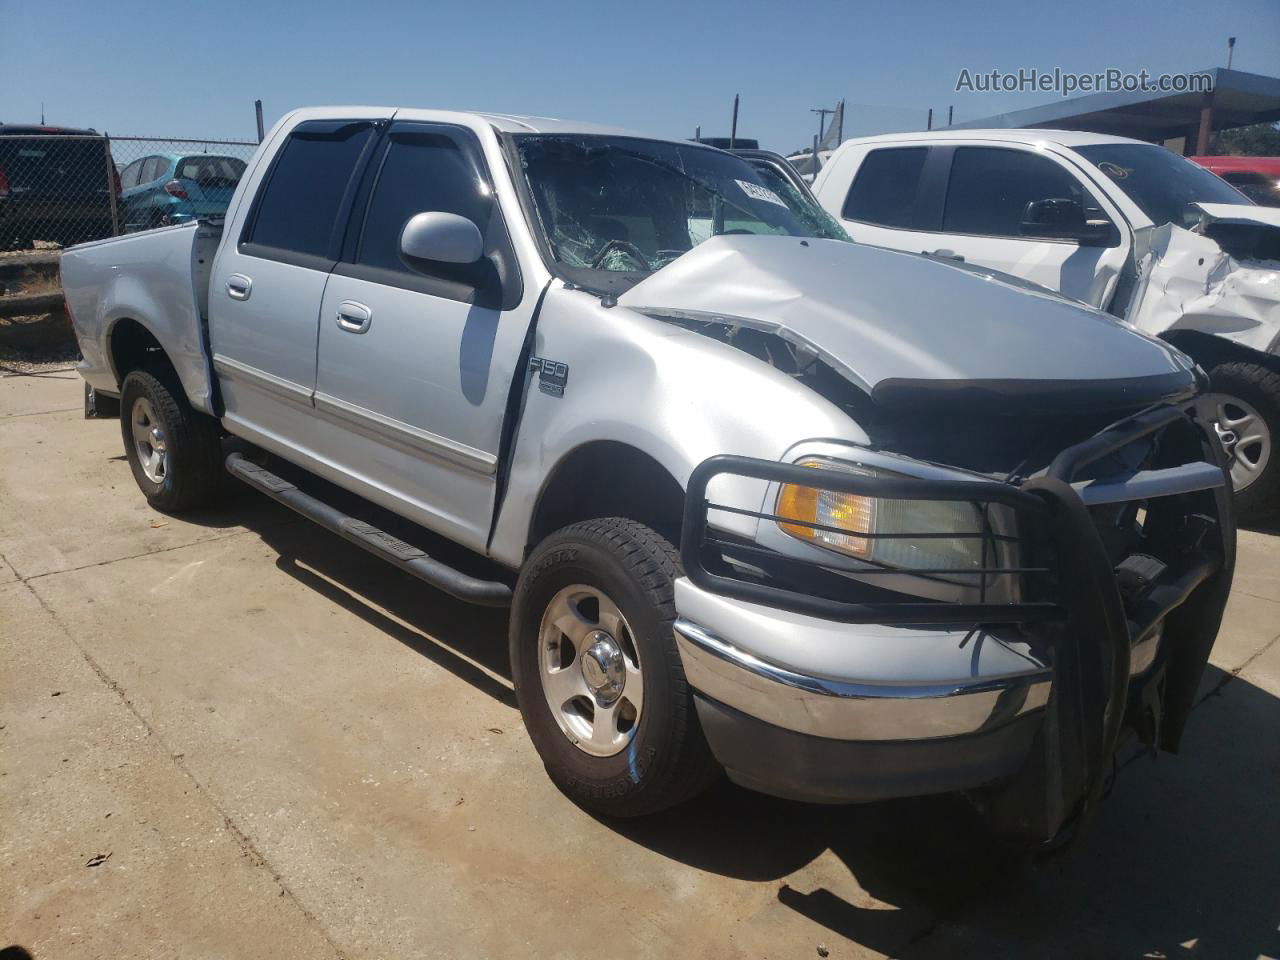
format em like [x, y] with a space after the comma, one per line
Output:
[911, 329]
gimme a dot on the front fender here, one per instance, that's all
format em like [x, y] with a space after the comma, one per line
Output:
[672, 394]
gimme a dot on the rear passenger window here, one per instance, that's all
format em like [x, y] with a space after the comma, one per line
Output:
[884, 191]
[153, 169]
[297, 210]
[421, 171]
[990, 188]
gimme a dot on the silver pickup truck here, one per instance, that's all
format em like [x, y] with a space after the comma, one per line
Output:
[844, 522]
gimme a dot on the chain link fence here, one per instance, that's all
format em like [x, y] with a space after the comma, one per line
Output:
[57, 189]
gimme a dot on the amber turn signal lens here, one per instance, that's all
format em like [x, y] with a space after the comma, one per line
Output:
[828, 508]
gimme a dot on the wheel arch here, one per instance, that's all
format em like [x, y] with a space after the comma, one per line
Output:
[132, 345]
[607, 478]
[1208, 349]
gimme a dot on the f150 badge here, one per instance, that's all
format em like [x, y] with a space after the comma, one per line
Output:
[552, 375]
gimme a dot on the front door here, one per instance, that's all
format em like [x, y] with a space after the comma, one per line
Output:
[986, 201]
[415, 365]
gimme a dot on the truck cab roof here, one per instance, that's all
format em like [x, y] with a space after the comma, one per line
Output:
[1064, 138]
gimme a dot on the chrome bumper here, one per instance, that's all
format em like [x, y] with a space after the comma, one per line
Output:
[805, 702]
[847, 709]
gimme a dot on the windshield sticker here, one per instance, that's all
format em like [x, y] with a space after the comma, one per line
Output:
[1113, 170]
[757, 192]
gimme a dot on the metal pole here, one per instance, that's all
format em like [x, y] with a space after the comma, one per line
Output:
[930, 126]
[950, 111]
[111, 184]
[697, 133]
[1206, 124]
[733, 129]
[257, 108]
[1231, 48]
[815, 156]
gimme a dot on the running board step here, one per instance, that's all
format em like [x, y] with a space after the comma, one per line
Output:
[489, 593]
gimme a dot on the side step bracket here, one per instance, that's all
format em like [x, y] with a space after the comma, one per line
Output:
[489, 593]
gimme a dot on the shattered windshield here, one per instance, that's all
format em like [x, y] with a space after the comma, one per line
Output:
[622, 204]
[798, 199]
[1161, 183]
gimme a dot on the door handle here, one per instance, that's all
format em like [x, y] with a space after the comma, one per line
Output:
[945, 254]
[239, 286]
[354, 317]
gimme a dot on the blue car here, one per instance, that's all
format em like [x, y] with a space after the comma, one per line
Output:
[168, 188]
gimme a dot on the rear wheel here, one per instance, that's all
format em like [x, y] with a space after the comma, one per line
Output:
[173, 450]
[597, 674]
[1244, 407]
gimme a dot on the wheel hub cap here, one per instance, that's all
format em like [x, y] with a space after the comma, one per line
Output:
[1243, 433]
[603, 668]
[590, 670]
[149, 441]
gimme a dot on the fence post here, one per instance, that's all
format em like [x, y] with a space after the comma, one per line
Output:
[111, 185]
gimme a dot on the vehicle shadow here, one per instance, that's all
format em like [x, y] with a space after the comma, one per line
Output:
[1184, 860]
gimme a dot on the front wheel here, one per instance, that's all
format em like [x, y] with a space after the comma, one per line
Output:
[1244, 408]
[597, 674]
[173, 449]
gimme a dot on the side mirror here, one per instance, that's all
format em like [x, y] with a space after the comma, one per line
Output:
[438, 237]
[1064, 219]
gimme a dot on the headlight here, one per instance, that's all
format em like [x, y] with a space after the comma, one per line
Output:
[861, 515]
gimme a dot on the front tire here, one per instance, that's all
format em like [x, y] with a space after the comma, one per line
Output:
[1244, 406]
[597, 674]
[173, 450]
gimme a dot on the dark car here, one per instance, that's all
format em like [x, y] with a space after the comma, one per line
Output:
[56, 184]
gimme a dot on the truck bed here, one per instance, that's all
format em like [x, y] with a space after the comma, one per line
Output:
[158, 279]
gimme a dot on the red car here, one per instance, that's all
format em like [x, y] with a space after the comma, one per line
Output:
[1258, 178]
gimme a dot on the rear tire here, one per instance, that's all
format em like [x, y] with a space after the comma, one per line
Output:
[1244, 399]
[175, 452]
[627, 749]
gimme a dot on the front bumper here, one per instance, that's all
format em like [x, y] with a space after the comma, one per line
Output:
[827, 739]
[849, 695]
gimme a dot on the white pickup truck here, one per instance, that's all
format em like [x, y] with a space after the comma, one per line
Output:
[1121, 225]
[908, 562]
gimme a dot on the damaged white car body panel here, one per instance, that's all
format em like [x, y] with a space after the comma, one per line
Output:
[1188, 282]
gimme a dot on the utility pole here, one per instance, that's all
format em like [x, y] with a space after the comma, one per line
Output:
[930, 124]
[733, 127]
[822, 121]
[949, 114]
[1231, 47]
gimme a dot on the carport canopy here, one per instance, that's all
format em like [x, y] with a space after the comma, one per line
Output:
[1237, 99]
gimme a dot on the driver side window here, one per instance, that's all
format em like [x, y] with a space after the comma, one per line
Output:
[990, 188]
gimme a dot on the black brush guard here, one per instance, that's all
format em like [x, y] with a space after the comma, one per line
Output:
[1070, 601]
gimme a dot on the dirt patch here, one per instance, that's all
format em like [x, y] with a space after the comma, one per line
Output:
[36, 344]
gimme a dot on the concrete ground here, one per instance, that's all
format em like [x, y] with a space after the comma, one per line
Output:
[236, 735]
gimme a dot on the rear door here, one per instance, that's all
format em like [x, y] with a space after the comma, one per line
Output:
[415, 365]
[270, 274]
[894, 198]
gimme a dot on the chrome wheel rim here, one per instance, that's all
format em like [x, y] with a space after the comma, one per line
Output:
[1243, 434]
[590, 670]
[149, 440]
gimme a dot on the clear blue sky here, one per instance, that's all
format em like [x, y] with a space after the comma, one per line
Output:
[179, 69]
